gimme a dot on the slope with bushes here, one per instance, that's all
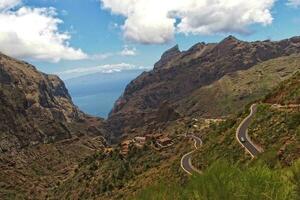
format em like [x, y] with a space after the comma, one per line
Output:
[228, 181]
[43, 135]
[230, 173]
[113, 176]
[229, 94]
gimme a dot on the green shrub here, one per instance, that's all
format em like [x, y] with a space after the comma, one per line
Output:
[222, 181]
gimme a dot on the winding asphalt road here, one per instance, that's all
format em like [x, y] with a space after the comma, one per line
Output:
[241, 136]
[242, 133]
[186, 162]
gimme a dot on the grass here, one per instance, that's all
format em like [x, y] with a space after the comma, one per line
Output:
[219, 142]
[223, 180]
[277, 132]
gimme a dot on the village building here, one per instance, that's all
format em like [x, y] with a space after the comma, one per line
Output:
[149, 137]
[157, 136]
[140, 142]
[164, 142]
[125, 146]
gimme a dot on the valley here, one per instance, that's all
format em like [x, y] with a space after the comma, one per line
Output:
[149, 100]
[202, 123]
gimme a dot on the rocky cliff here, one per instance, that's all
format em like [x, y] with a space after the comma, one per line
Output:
[37, 108]
[178, 74]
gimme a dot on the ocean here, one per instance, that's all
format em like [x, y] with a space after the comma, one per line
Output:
[96, 94]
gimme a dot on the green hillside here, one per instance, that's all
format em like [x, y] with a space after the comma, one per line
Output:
[287, 93]
[226, 181]
[232, 92]
[228, 171]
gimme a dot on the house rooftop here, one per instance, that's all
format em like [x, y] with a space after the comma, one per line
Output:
[165, 139]
[126, 142]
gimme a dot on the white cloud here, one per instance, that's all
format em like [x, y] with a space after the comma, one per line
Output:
[128, 51]
[100, 56]
[157, 21]
[32, 33]
[294, 3]
[108, 68]
[8, 4]
[125, 52]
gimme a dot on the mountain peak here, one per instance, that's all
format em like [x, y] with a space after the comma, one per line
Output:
[180, 74]
[173, 50]
[167, 57]
[227, 43]
[231, 38]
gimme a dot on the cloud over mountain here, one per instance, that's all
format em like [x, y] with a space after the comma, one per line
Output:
[157, 21]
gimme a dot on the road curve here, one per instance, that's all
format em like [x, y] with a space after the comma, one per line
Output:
[242, 133]
[186, 162]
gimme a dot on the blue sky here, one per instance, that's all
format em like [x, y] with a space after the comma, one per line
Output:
[105, 34]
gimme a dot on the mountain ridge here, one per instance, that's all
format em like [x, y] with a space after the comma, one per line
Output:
[37, 108]
[173, 79]
[56, 151]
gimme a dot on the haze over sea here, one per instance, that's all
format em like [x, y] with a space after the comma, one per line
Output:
[96, 93]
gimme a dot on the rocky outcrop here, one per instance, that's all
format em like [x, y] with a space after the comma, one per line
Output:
[37, 108]
[178, 74]
[168, 58]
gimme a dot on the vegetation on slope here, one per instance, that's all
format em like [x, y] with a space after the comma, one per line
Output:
[43, 135]
[287, 93]
[278, 133]
[113, 176]
[219, 143]
[228, 174]
[232, 92]
[36, 170]
[196, 69]
[227, 181]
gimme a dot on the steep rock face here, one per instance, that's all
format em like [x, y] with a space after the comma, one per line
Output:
[168, 58]
[173, 79]
[37, 108]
